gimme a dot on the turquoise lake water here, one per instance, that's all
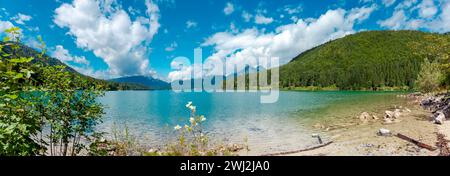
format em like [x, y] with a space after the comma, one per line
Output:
[237, 117]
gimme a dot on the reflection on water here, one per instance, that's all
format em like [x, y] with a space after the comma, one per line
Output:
[234, 117]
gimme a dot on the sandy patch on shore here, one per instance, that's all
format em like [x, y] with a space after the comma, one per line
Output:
[445, 129]
[362, 139]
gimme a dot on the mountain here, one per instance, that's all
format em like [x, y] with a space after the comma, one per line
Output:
[367, 60]
[147, 81]
[25, 51]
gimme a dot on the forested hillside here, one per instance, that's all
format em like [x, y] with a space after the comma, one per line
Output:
[368, 60]
[45, 60]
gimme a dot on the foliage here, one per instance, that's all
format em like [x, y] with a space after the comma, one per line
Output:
[367, 60]
[430, 77]
[45, 109]
[121, 144]
[18, 125]
[193, 141]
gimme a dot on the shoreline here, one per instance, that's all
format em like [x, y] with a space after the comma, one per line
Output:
[361, 138]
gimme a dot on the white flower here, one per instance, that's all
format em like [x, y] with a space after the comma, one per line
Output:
[186, 126]
[189, 104]
[192, 108]
[202, 118]
[192, 120]
[177, 127]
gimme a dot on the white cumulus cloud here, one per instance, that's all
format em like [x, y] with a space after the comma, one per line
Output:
[229, 8]
[5, 25]
[171, 47]
[427, 9]
[261, 19]
[106, 29]
[191, 24]
[430, 16]
[21, 18]
[63, 55]
[246, 16]
[287, 41]
[388, 3]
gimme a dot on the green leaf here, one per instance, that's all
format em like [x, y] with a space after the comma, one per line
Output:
[12, 96]
[18, 76]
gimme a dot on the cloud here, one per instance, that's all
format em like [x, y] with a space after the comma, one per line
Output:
[286, 42]
[172, 47]
[185, 72]
[366, 1]
[21, 18]
[89, 71]
[289, 9]
[5, 25]
[63, 55]
[246, 16]
[260, 19]
[427, 9]
[82, 65]
[191, 24]
[395, 22]
[428, 17]
[229, 8]
[388, 3]
[106, 29]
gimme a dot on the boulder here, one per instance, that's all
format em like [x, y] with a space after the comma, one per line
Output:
[392, 114]
[384, 132]
[388, 114]
[428, 102]
[439, 118]
[446, 110]
[364, 117]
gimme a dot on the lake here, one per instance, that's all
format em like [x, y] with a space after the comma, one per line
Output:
[238, 117]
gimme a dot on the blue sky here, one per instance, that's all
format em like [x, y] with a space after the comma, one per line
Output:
[112, 38]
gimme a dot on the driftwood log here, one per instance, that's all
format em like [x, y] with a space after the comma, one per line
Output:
[301, 150]
[416, 142]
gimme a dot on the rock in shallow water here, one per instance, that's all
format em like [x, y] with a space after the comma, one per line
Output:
[384, 132]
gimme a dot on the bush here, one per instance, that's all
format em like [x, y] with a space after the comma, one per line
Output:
[430, 77]
[34, 96]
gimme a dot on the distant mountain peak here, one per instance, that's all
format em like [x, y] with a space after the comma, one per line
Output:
[145, 80]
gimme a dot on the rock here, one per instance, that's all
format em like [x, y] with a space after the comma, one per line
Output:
[388, 114]
[392, 114]
[446, 110]
[384, 132]
[235, 147]
[397, 113]
[439, 118]
[318, 126]
[151, 150]
[387, 121]
[406, 110]
[427, 102]
[374, 117]
[364, 117]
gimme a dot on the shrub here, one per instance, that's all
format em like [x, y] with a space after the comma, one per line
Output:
[430, 77]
